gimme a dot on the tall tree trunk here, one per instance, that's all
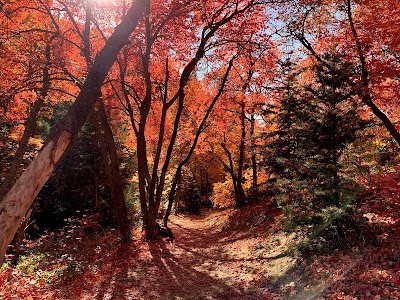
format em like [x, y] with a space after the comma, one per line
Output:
[253, 155]
[21, 196]
[106, 141]
[30, 128]
[157, 183]
[336, 183]
[207, 34]
[29, 131]
[207, 185]
[201, 179]
[172, 195]
[231, 170]
[365, 92]
[240, 199]
[178, 172]
[178, 198]
[96, 196]
[20, 236]
[336, 193]
[143, 175]
[110, 159]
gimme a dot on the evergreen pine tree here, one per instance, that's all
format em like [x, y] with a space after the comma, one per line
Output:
[316, 122]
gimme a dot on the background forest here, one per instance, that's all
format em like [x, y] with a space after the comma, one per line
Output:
[117, 116]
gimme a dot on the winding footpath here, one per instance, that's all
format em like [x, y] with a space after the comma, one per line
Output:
[201, 262]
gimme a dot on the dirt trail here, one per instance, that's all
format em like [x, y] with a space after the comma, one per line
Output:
[217, 255]
[218, 267]
[201, 262]
[235, 255]
[226, 254]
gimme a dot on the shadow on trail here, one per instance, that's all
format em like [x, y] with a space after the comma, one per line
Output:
[199, 239]
[196, 265]
[115, 275]
[161, 276]
[178, 278]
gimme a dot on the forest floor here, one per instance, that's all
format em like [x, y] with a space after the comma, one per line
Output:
[219, 254]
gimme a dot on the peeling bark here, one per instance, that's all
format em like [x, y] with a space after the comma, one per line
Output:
[21, 196]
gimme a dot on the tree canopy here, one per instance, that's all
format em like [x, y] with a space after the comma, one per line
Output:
[131, 111]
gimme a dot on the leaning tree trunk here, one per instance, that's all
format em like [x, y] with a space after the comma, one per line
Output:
[21, 196]
[107, 144]
[30, 128]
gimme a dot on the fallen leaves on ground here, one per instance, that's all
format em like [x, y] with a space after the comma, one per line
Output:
[220, 254]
